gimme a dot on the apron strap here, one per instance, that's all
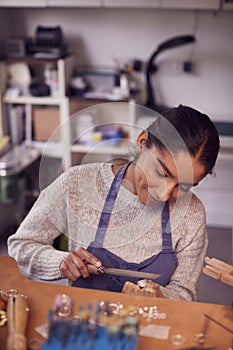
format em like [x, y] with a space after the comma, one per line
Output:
[108, 206]
[166, 229]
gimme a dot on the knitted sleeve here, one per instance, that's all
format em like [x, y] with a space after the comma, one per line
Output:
[31, 245]
[190, 252]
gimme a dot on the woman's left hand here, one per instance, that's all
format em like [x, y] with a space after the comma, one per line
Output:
[143, 287]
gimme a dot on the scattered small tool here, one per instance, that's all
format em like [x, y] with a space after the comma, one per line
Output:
[219, 270]
[17, 315]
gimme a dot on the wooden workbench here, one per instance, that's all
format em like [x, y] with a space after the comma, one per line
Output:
[183, 317]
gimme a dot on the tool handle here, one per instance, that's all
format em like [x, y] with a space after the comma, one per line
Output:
[211, 271]
[219, 264]
[17, 314]
[219, 274]
[93, 270]
[227, 279]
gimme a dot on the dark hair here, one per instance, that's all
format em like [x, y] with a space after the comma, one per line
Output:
[186, 129]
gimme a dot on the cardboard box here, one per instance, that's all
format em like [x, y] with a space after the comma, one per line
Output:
[46, 122]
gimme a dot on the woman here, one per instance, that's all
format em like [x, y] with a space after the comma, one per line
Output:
[139, 216]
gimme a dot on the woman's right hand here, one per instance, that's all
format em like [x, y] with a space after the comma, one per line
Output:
[74, 265]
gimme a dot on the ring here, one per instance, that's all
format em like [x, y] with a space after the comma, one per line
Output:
[177, 339]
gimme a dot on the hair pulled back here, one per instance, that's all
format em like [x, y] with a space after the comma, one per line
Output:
[185, 129]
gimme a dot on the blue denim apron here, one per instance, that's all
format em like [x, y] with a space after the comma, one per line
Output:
[163, 263]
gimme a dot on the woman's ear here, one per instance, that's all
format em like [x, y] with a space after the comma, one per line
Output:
[141, 141]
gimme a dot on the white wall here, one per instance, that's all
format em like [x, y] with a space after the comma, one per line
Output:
[98, 35]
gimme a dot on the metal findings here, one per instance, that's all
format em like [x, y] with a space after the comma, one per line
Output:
[148, 312]
[63, 305]
[10, 293]
[151, 313]
[94, 327]
[177, 339]
[199, 338]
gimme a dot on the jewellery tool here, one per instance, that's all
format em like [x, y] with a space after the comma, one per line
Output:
[17, 314]
[219, 270]
[121, 272]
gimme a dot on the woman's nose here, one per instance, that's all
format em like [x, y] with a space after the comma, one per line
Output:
[165, 191]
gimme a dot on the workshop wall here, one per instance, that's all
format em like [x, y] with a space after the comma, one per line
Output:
[101, 36]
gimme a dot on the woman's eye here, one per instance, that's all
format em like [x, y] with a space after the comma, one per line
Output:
[160, 173]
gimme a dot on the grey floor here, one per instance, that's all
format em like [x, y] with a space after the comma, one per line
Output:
[209, 289]
[220, 247]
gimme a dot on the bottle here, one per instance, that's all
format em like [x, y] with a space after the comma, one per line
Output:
[51, 78]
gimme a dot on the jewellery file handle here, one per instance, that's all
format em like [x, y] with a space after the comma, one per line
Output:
[121, 272]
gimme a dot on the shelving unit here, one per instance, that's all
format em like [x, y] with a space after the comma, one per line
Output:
[61, 101]
[67, 106]
[113, 113]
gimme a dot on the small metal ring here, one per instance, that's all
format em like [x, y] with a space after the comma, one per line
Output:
[114, 307]
[64, 311]
[177, 339]
[10, 293]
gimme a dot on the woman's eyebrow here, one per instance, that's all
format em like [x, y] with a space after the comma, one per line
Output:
[165, 168]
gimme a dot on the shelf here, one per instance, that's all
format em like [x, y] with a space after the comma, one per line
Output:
[32, 60]
[33, 100]
[120, 149]
[66, 106]
[52, 149]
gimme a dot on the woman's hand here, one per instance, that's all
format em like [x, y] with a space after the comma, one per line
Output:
[74, 265]
[143, 287]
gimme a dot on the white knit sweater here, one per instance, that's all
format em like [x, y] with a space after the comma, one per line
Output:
[72, 204]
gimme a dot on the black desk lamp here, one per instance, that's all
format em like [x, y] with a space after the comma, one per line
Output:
[169, 44]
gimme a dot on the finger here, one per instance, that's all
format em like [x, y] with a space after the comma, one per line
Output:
[69, 270]
[74, 267]
[79, 263]
[87, 257]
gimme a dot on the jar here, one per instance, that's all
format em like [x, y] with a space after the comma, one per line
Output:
[84, 128]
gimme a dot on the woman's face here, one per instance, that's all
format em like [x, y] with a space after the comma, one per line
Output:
[160, 176]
